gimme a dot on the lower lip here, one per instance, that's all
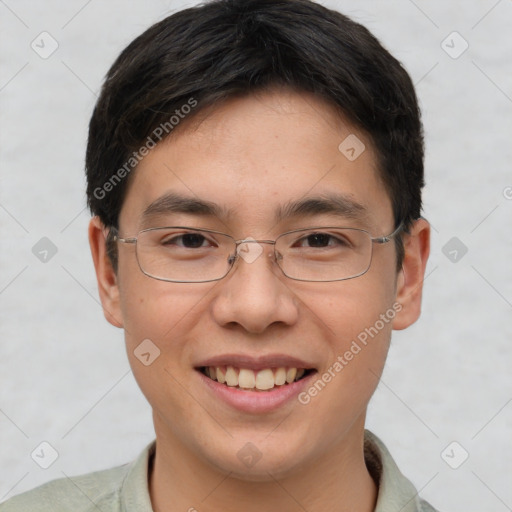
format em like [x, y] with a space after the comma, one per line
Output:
[256, 401]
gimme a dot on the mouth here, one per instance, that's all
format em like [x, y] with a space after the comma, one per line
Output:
[255, 384]
[251, 380]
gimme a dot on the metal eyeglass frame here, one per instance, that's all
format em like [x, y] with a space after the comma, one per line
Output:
[234, 257]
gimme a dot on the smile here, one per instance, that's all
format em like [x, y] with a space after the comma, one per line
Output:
[246, 379]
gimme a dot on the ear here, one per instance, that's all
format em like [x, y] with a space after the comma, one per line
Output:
[107, 279]
[412, 274]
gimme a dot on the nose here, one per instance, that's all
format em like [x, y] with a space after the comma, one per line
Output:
[255, 295]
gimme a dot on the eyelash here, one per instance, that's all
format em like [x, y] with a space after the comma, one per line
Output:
[331, 237]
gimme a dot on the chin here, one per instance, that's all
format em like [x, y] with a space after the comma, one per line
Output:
[252, 464]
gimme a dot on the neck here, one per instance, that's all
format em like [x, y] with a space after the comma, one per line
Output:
[335, 481]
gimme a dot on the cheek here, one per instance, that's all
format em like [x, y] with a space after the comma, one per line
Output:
[357, 322]
[360, 342]
[342, 389]
[348, 308]
[157, 319]
[154, 309]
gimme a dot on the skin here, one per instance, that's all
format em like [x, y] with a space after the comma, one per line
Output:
[253, 155]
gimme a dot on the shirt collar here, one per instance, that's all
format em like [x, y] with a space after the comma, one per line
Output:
[395, 491]
[135, 491]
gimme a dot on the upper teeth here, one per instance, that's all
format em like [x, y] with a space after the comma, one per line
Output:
[249, 379]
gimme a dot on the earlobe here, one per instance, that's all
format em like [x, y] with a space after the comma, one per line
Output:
[411, 277]
[105, 275]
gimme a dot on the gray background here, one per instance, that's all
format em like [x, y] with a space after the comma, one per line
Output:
[64, 376]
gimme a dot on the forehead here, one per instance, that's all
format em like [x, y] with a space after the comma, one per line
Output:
[260, 159]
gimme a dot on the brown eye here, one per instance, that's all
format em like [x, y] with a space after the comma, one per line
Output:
[187, 241]
[318, 240]
[321, 240]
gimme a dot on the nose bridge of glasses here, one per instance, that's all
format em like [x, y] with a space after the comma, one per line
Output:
[253, 241]
[243, 245]
[250, 249]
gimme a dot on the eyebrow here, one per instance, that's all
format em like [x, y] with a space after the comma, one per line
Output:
[176, 203]
[339, 205]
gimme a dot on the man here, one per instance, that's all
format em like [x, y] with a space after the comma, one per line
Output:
[255, 172]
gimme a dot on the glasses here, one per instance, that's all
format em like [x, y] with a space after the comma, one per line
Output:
[187, 255]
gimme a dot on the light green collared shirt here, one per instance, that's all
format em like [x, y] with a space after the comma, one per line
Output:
[125, 488]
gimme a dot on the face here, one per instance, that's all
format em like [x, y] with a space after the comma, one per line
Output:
[252, 158]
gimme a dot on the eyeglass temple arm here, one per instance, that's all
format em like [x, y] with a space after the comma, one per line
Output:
[385, 239]
[115, 238]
